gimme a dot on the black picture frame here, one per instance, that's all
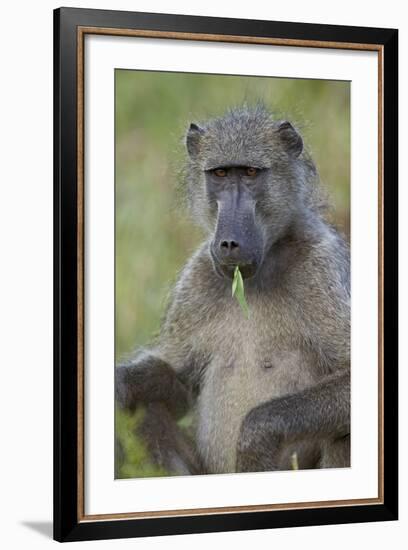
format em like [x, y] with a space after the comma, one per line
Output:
[68, 524]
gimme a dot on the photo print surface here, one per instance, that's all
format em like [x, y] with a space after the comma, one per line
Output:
[232, 274]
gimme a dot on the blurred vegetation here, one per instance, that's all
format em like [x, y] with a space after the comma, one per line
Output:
[154, 235]
[132, 459]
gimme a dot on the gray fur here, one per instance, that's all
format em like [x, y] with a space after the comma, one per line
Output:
[277, 382]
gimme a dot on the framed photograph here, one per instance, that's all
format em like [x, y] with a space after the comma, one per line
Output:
[225, 274]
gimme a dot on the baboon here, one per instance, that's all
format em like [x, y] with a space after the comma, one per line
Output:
[278, 382]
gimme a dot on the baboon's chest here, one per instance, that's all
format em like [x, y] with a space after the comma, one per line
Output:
[253, 365]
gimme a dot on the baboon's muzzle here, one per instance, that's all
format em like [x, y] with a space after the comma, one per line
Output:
[238, 239]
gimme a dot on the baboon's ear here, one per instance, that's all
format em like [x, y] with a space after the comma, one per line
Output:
[291, 140]
[193, 139]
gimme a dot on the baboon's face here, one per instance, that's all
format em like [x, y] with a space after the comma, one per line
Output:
[238, 237]
[242, 176]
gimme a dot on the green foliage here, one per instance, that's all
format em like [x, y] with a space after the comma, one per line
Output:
[135, 460]
[239, 292]
[154, 236]
[294, 461]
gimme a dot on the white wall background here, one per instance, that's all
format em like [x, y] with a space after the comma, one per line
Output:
[26, 271]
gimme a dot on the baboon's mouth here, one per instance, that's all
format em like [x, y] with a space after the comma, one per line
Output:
[223, 269]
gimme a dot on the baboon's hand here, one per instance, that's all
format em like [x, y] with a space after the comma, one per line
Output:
[321, 411]
[151, 380]
[259, 442]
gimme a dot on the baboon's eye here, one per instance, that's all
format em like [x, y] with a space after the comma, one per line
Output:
[220, 173]
[251, 171]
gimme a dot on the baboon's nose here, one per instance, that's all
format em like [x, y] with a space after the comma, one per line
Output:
[229, 248]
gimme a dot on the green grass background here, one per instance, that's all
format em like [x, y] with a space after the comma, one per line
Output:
[154, 235]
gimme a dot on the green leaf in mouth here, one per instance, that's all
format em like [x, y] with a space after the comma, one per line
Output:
[239, 292]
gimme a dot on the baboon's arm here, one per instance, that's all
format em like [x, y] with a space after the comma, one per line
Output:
[149, 379]
[169, 447]
[319, 412]
[153, 385]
